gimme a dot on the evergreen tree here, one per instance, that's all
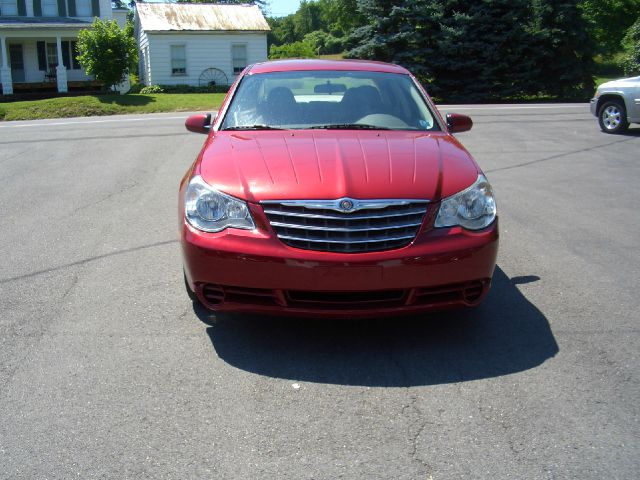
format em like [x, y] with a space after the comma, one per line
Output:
[480, 49]
[564, 51]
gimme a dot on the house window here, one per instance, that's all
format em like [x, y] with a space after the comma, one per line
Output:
[83, 8]
[52, 56]
[49, 8]
[239, 58]
[8, 8]
[178, 60]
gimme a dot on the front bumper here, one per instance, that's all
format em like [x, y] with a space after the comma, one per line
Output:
[594, 106]
[253, 271]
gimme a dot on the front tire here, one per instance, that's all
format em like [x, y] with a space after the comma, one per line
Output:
[612, 117]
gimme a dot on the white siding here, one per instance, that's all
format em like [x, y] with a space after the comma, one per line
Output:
[83, 8]
[144, 63]
[204, 50]
[105, 10]
[8, 8]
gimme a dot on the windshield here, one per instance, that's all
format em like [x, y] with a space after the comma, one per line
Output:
[328, 100]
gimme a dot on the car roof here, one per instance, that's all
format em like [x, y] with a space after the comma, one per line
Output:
[318, 64]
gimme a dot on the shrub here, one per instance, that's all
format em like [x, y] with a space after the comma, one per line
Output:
[324, 43]
[152, 89]
[107, 51]
[292, 50]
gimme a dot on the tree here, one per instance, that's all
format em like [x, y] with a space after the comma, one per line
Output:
[563, 49]
[631, 43]
[608, 20]
[323, 42]
[282, 30]
[107, 51]
[307, 18]
[340, 17]
[388, 30]
[480, 50]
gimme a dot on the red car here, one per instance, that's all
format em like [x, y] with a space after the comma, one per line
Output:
[335, 188]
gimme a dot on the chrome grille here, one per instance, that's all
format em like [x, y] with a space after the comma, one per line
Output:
[363, 226]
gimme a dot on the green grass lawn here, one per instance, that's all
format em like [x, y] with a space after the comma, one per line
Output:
[93, 105]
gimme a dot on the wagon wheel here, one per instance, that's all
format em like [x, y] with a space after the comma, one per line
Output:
[212, 76]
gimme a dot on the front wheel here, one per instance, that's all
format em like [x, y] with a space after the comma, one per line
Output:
[613, 117]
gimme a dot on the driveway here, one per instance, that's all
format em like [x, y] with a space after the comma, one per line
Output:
[107, 371]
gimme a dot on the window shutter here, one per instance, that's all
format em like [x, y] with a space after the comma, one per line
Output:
[62, 8]
[22, 8]
[37, 10]
[95, 8]
[65, 54]
[72, 8]
[42, 56]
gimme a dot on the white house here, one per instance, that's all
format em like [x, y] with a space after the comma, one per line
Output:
[198, 44]
[38, 42]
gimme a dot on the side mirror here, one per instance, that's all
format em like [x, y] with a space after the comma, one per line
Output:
[200, 123]
[458, 123]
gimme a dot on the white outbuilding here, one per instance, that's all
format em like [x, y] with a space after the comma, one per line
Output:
[198, 44]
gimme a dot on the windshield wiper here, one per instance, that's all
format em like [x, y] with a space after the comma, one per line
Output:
[349, 126]
[252, 127]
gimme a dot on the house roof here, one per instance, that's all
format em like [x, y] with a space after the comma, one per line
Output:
[42, 22]
[200, 17]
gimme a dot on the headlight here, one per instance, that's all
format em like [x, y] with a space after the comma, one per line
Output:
[211, 211]
[473, 208]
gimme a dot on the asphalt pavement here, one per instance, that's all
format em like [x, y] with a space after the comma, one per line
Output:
[107, 371]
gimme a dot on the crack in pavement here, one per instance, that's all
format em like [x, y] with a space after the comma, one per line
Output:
[560, 155]
[86, 260]
[109, 137]
[124, 189]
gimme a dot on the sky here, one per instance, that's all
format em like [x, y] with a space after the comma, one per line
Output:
[280, 8]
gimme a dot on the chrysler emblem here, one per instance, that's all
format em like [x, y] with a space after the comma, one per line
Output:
[346, 205]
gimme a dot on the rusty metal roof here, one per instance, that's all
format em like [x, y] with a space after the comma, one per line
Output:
[200, 17]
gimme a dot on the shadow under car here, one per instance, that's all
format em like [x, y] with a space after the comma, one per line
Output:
[506, 334]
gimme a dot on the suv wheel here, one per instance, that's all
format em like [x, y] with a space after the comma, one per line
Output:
[613, 117]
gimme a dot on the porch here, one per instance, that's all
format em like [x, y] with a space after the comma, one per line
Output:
[40, 60]
[37, 91]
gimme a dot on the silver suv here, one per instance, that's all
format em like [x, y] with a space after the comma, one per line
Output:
[617, 104]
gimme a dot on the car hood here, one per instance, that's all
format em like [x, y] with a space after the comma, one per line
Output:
[330, 164]
[622, 83]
